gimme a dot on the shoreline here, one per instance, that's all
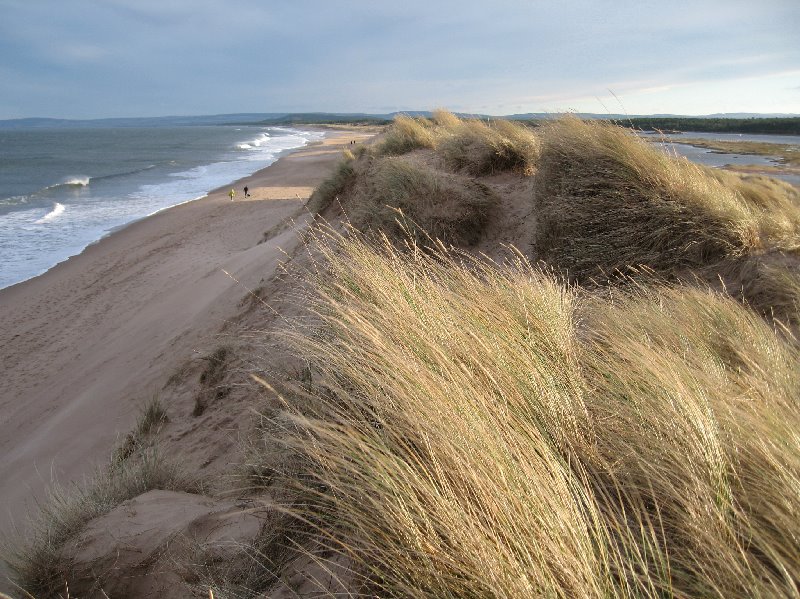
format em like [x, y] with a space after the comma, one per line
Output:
[235, 183]
[85, 344]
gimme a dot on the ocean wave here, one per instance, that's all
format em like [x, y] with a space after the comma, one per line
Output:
[69, 182]
[14, 200]
[75, 182]
[253, 144]
[123, 174]
[58, 210]
[79, 181]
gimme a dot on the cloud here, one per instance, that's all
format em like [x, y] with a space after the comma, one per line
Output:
[118, 57]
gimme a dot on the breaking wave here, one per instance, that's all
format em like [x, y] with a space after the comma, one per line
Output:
[254, 143]
[58, 210]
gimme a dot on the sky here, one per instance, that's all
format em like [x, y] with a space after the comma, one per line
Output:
[125, 58]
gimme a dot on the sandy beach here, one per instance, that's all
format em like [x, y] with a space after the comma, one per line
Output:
[84, 345]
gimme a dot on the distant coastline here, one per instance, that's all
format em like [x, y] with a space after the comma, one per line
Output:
[734, 123]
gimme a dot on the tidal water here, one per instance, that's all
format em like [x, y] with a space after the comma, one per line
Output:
[718, 159]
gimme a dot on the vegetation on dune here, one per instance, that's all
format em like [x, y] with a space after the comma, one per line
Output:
[39, 565]
[153, 416]
[334, 186]
[489, 430]
[486, 432]
[482, 148]
[472, 145]
[406, 134]
[775, 203]
[606, 200]
[466, 428]
[398, 197]
[771, 288]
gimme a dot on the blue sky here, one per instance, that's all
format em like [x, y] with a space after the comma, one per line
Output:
[104, 58]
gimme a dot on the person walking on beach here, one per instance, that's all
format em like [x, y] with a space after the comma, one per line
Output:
[247, 195]
[232, 193]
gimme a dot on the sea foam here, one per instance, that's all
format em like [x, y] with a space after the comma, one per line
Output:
[58, 210]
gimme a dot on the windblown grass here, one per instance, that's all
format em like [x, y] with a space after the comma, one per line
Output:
[406, 134]
[776, 203]
[491, 432]
[334, 186]
[152, 417]
[38, 564]
[399, 196]
[771, 289]
[481, 148]
[606, 200]
[469, 145]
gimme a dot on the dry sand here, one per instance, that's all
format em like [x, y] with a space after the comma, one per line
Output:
[83, 346]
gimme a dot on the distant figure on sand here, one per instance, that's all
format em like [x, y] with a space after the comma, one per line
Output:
[231, 193]
[247, 195]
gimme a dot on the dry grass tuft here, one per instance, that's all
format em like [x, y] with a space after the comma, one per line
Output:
[481, 148]
[152, 417]
[333, 187]
[484, 431]
[445, 119]
[471, 145]
[212, 387]
[607, 200]
[399, 196]
[38, 564]
[406, 134]
[776, 203]
[769, 287]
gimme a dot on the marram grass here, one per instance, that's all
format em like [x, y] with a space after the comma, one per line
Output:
[606, 200]
[488, 431]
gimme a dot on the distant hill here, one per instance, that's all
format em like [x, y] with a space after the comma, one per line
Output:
[751, 115]
[163, 121]
[752, 125]
[723, 122]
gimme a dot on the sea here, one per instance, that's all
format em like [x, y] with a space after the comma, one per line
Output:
[62, 189]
